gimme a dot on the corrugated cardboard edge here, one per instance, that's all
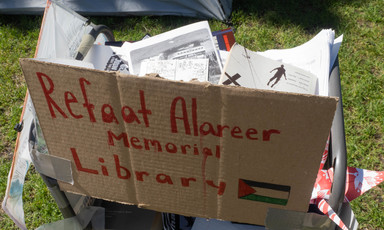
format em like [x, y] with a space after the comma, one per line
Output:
[157, 77]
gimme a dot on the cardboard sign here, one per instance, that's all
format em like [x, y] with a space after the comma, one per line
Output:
[195, 149]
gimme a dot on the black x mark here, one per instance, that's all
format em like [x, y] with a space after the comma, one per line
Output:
[232, 79]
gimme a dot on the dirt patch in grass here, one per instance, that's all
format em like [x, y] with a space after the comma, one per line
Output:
[7, 152]
[19, 81]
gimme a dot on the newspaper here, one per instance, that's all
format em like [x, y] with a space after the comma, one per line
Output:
[113, 58]
[250, 69]
[193, 41]
[178, 70]
[174, 55]
[108, 58]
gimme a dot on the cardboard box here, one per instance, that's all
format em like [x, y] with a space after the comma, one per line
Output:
[195, 149]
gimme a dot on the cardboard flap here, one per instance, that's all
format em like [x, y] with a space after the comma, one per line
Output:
[189, 148]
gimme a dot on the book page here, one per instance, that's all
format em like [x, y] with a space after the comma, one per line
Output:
[250, 69]
[316, 56]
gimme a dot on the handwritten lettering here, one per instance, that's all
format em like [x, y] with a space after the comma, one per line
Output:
[144, 111]
[90, 107]
[184, 116]
[70, 98]
[78, 164]
[107, 112]
[179, 111]
[124, 173]
[47, 92]
[183, 119]
[156, 146]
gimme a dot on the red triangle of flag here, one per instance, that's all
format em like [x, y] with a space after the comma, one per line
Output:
[244, 189]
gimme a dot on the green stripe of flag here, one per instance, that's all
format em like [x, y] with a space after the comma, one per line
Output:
[265, 199]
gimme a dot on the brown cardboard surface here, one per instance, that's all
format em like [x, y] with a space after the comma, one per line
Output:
[189, 148]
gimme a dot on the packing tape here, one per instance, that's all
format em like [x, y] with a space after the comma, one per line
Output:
[52, 166]
[48, 165]
[279, 219]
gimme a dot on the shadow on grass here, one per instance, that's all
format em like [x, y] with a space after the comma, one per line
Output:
[22, 22]
[308, 14]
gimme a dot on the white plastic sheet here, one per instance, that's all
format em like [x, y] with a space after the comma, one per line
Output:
[60, 35]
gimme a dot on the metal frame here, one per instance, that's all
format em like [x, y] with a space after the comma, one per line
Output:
[337, 148]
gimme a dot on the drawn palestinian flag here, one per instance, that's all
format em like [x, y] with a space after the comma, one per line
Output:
[263, 192]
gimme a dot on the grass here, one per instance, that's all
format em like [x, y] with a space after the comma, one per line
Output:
[259, 25]
[18, 39]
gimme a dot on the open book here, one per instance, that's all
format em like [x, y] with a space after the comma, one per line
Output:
[250, 69]
[315, 57]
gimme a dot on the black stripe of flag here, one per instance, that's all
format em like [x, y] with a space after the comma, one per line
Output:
[263, 192]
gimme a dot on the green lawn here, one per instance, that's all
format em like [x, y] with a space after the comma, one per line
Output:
[259, 25]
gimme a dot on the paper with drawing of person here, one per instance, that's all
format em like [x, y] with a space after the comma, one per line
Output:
[250, 69]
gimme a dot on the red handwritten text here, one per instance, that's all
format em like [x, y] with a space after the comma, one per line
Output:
[107, 112]
[123, 172]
